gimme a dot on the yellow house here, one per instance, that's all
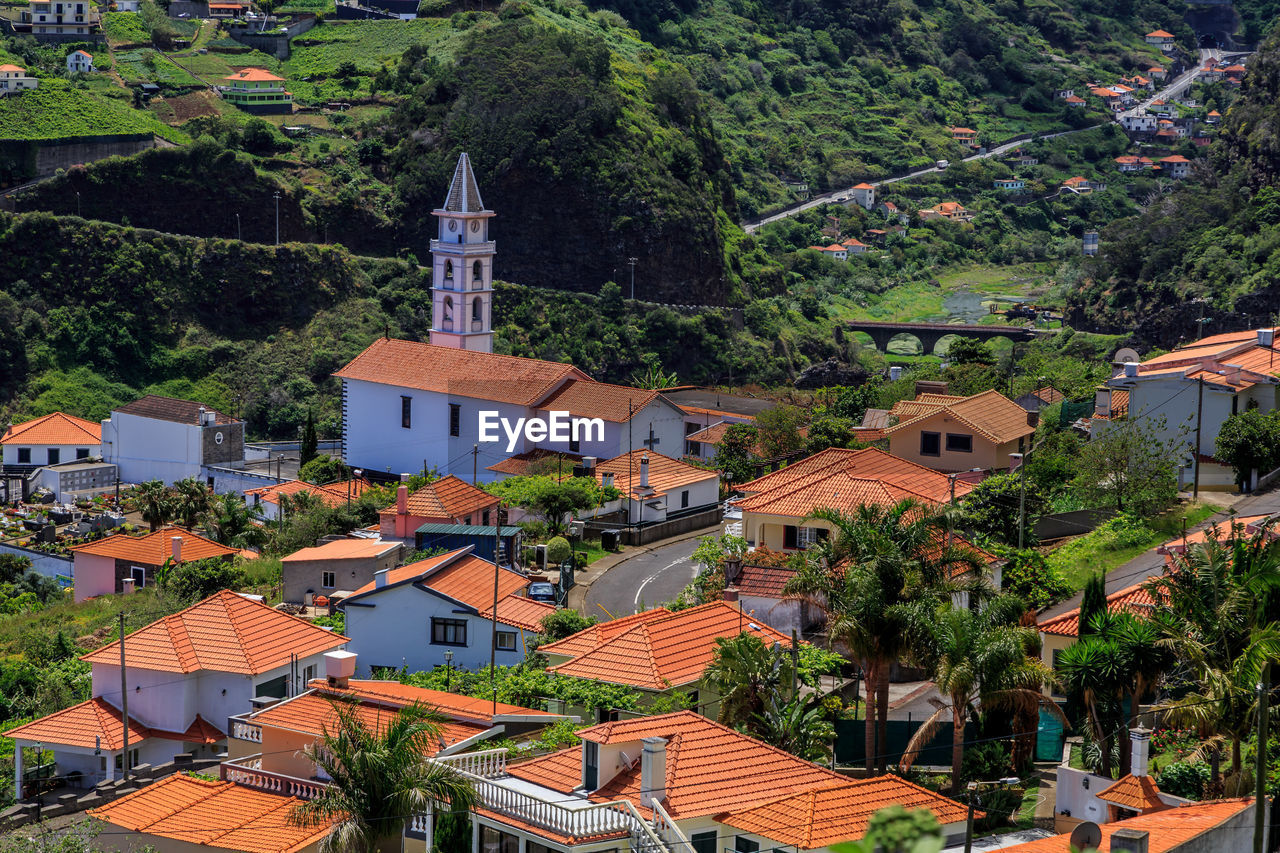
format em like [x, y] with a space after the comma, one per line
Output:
[951, 434]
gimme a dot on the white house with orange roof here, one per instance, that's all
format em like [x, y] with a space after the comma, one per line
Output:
[949, 433]
[123, 563]
[256, 90]
[334, 569]
[14, 79]
[656, 488]
[1217, 377]
[1212, 825]
[50, 440]
[864, 195]
[186, 675]
[965, 136]
[1175, 166]
[266, 499]
[1161, 39]
[80, 62]
[413, 615]
[677, 782]
[835, 251]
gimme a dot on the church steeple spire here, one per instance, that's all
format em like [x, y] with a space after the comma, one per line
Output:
[462, 267]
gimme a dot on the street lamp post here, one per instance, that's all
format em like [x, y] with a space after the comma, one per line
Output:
[448, 670]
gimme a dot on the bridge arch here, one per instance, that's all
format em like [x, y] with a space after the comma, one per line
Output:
[905, 343]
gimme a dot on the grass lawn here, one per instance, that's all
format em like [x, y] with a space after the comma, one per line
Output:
[1107, 547]
[58, 110]
[1025, 817]
[592, 549]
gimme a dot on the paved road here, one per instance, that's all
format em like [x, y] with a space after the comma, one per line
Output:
[645, 580]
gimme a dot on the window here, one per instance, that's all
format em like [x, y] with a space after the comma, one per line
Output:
[790, 537]
[930, 444]
[746, 845]
[406, 412]
[591, 772]
[684, 499]
[139, 575]
[455, 420]
[133, 759]
[506, 641]
[496, 841]
[959, 443]
[484, 518]
[308, 674]
[448, 632]
[807, 537]
[328, 580]
[574, 444]
[82, 453]
[24, 455]
[275, 688]
[703, 842]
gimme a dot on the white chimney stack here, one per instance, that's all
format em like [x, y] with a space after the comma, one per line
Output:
[380, 579]
[176, 543]
[1130, 369]
[1266, 337]
[339, 667]
[644, 471]
[588, 463]
[1141, 738]
[653, 771]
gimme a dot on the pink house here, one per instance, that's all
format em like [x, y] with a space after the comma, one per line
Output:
[446, 501]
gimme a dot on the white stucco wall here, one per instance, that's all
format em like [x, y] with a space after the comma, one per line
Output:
[40, 452]
[151, 449]
[396, 631]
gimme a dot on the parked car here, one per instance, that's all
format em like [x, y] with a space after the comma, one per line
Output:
[543, 592]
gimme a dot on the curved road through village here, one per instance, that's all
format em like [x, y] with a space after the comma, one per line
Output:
[643, 581]
[1174, 88]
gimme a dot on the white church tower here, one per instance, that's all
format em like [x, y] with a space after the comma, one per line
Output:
[462, 267]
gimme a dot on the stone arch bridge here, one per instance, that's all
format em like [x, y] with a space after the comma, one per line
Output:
[929, 334]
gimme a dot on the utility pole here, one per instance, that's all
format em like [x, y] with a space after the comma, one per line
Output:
[795, 665]
[493, 640]
[632, 263]
[1195, 455]
[276, 196]
[1260, 770]
[1022, 500]
[124, 703]
[475, 462]
[238, 226]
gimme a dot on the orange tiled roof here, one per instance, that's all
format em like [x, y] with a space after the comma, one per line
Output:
[1244, 525]
[990, 414]
[1168, 830]
[1134, 599]
[1159, 34]
[868, 464]
[1136, 793]
[480, 375]
[588, 399]
[665, 474]
[54, 428]
[217, 814]
[763, 581]
[226, 632]
[13, 68]
[85, 725]
[829, 490]
[342, 549]
[330, 494]
[863, 186]
[314, 713]
[410, 571]
[524, 463]
[254, 75]
[668, 651]
[830, 814]
[453, 705]
[152, 549]
[1176, 158]
[588, 638]
[712, 435]
[521, 612]
[711, 769]
[470, 581]
[448, 497]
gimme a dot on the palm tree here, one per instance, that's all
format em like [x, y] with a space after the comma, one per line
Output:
[232, 522]
[977, 658]
[1144, 661]
[1092, 670]
[192, 500]
[799, 726]
[746, 674]
[155, 503]
[378, 779]
[877, 560]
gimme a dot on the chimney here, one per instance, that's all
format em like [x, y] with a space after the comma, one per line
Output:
[644, 471]
[1141, 738]
[339, 667]
[126, 586]
[1129, 840]
[1266, 337]
[380, 579]
[200, 419]
[176, 543]
[731, 595]
[1130, 369]
[402, 499]
[653, 771]
[895, 373]
[1033, 419]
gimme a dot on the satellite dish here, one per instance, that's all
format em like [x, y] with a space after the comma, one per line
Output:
[1125, 354]
[1086, 836]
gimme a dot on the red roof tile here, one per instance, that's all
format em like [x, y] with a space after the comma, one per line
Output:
[587, 399]
[1136, 793]
[1134, 599]
[457, 706]
[665, 474]
[253, 75]
[152, 549]
[866, 464]
[990, 414]
[226, 632]
[314, 714]
[1168, 830]
[217, 814]
[479, 375]
[54, 428]
[342, 549]
[588, 638]
[448, 498]
[87, 725]
[330, 494]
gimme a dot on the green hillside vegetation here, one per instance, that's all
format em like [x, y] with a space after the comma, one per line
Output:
[125, 28]
[59, 109]
[1215, 238]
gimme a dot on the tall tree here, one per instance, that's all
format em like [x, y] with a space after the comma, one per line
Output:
[155, 503]
[379, 779]
[746, 673]
[1131, 466]
[232, 522]
[1093, 602]
[191, 501]
[309, 448]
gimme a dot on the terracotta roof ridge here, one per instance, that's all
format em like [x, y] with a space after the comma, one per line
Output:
[234, 622]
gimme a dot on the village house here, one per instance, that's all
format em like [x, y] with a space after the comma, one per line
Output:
[335, 569]
[187, 674]
[49, 440]
[1039, 399]
[121, 563]
[1191, 828]
[656, 651]
[1213, 117]
[1110, 99]
[835, 251]
[1081, 186]
[952, 210]
[704, 407]
[14, 79]
[80, 62]
[1063, 94]
[1175, 166]
[889, 210]
[255, 90]
[864, 195]
[1010, 185]
[853, 246]
[597, 795]
[1137, 81]
[1234, 73]
[1227, 374]
[1161, 39]
[965, 136]
[655, 489]
[1157, 73]
[1022, 159]
[449, 500]
[267, 499]
[950, 434]
[705, 443]
[165, 439]
[56, 20]
[440, 610]
[1074, 101]
[1132, 163]
[1139, 122]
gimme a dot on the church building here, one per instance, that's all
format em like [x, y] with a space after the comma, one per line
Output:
[456, 406]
